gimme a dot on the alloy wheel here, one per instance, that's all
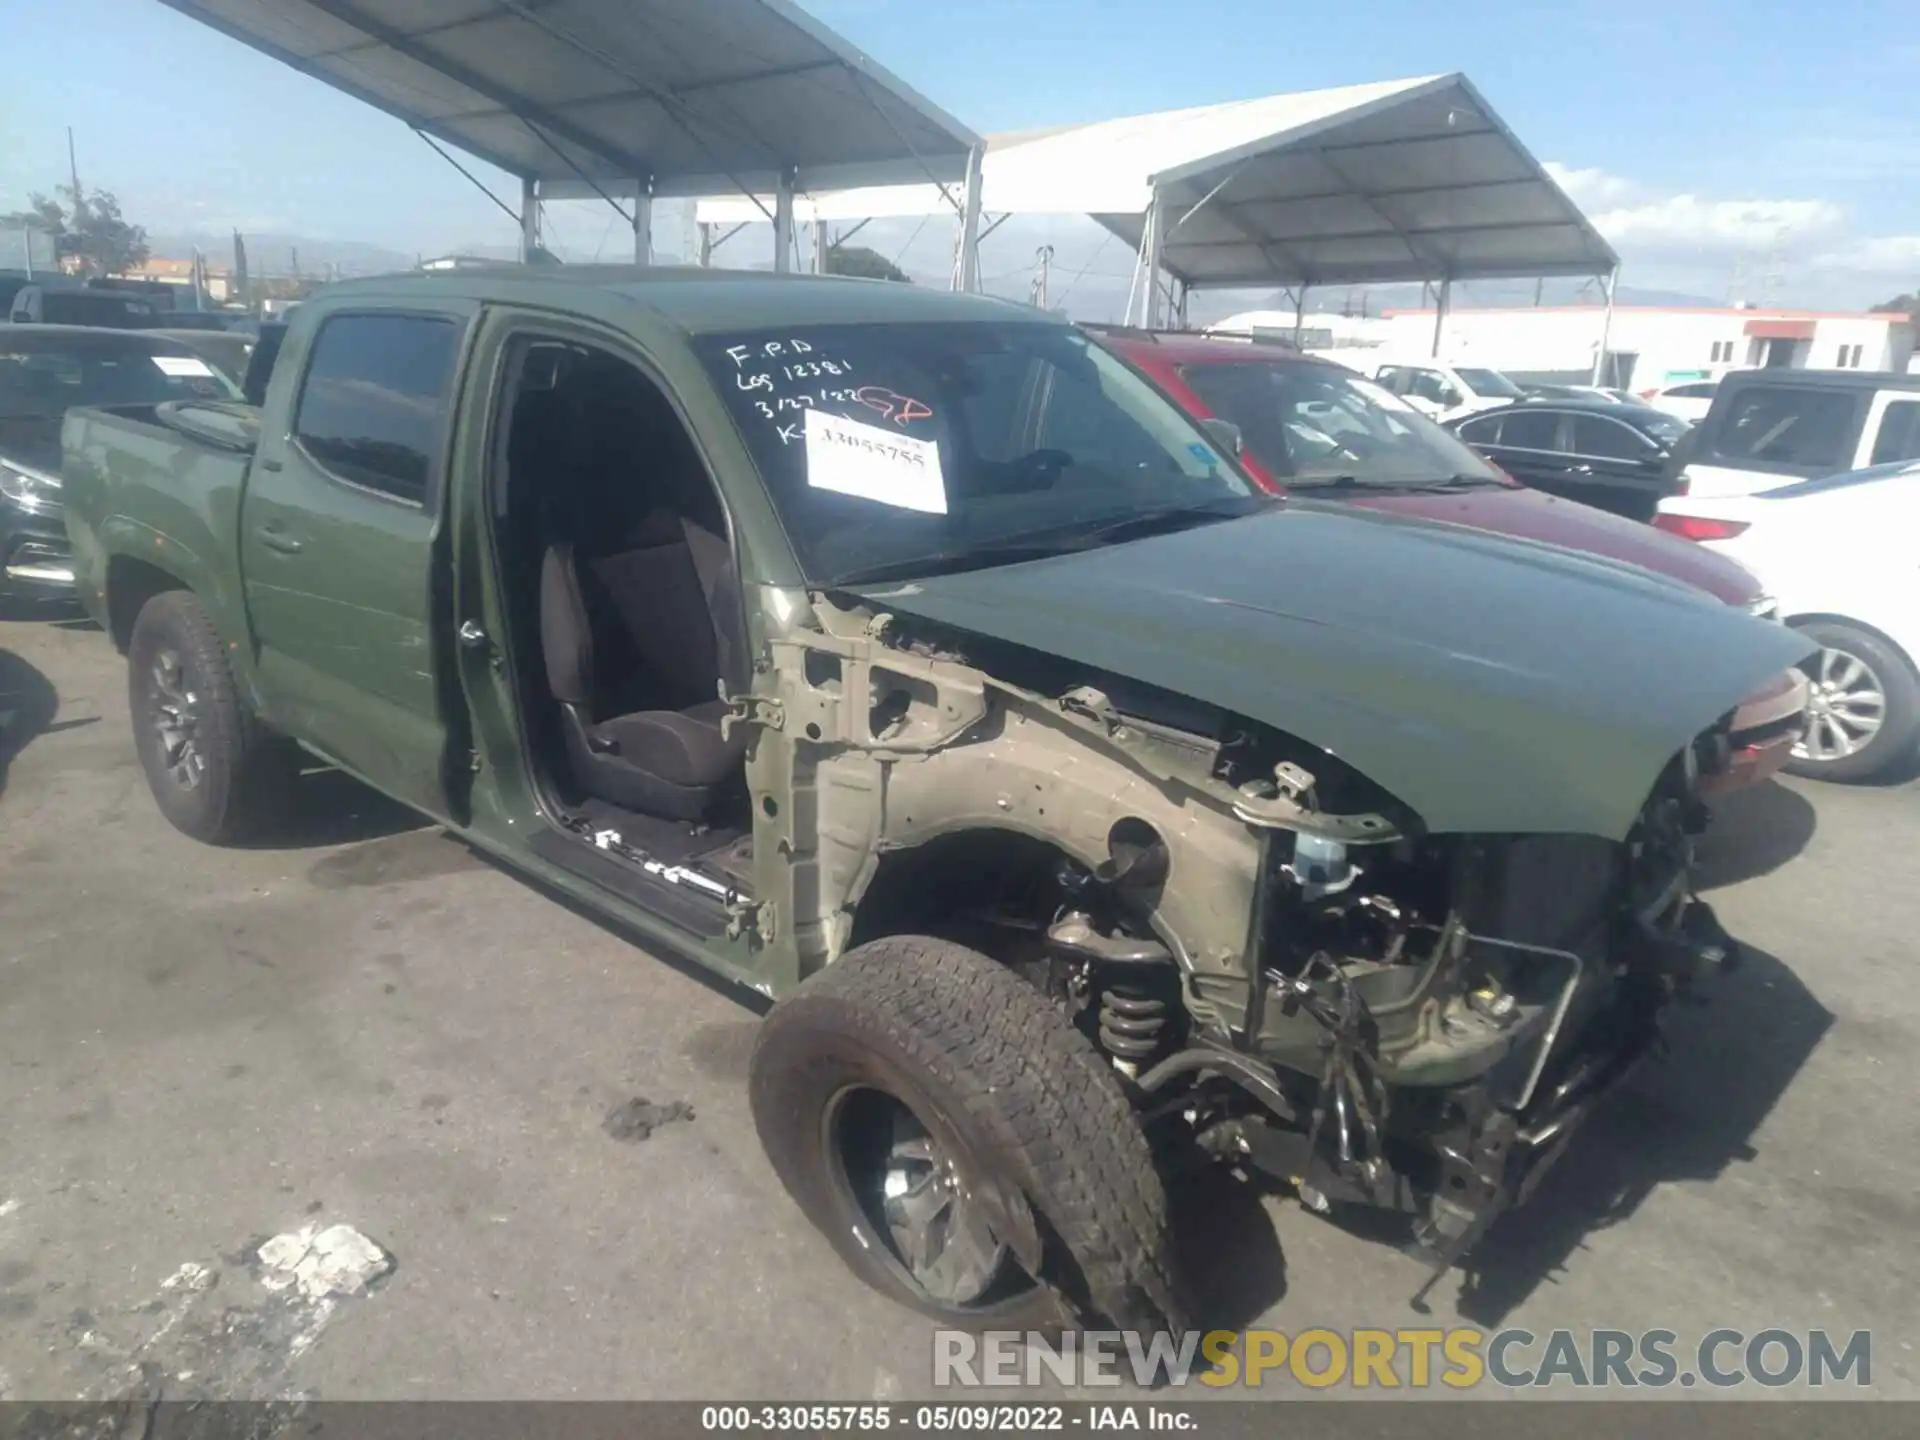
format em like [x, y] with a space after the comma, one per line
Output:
[1846, 710]
[176, 720]
[917, 1199]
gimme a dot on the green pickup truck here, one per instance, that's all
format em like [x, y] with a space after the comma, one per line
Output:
[908, 659]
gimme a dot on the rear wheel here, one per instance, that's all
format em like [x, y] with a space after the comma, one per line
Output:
[963, 1148]
[1864, 712]
[214, 771]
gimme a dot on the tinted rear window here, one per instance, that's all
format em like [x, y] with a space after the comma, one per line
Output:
[94, 307]
[1531, 429]
[1607, 439]
[1788, 426]
[374, 400]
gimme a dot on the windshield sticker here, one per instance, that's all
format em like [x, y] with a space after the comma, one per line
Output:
[181, 366]
[850, 457]
[901, 409]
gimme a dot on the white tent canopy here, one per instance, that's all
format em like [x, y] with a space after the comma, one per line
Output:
[1364, 184]
[621, 98]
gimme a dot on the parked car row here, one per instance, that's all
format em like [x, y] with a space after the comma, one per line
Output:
[913, 660]
[1829, 552]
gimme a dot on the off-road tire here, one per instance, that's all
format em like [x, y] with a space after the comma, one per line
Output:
[979, 1054]
[248, 770]
[1899, 732]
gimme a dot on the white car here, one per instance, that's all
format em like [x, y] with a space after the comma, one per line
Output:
[1836, 553]
[1446, 392]
[1687, 400]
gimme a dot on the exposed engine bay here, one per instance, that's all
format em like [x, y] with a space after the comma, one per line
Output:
[1421, 1021]
[1432, 1016]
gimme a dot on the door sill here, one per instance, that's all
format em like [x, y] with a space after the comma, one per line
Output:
[678, 893]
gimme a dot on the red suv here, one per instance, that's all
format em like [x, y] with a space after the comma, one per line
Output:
[1314, 428]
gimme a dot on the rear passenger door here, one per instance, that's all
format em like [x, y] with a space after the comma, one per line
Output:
[1613, 467]
[1529, 446]
[344, 550]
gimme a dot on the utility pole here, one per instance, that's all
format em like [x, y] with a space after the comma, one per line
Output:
[79, 204]
[1043, 276]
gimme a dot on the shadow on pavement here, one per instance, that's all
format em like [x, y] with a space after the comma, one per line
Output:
[1225, 1245]
[329, 807]
[1754, 832]
[1689, 1117]
[28, 703]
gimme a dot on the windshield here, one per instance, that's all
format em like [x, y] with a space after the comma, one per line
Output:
[1305, 422]
[946, 445]
[40, 379]
[1488, 382]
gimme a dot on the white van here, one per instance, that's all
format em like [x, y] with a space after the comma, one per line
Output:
[1769, 427]
[1446, 392]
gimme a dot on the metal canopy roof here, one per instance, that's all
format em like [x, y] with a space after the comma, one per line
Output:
[1365, 184]
[696, 98]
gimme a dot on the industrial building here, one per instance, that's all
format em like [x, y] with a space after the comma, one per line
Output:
[1649, 346]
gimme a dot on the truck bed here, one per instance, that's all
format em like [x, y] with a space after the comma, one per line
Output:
[157, 480]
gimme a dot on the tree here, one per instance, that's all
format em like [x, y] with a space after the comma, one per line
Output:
[1907, 304]
[89, 226]
[868, 264]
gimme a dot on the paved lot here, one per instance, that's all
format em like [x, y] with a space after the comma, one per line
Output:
[373, 1027]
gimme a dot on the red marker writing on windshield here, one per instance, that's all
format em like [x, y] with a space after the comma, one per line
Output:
[897, 408]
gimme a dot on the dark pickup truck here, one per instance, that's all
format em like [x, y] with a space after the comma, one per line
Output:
[908, 659]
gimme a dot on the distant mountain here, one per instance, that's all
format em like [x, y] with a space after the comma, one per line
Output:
[276, 254]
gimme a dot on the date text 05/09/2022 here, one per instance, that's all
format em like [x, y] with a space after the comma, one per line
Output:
[976, 1419]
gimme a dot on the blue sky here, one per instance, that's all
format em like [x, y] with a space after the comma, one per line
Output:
[1694, 131]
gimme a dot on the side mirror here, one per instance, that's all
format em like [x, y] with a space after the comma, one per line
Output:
[1225, 434]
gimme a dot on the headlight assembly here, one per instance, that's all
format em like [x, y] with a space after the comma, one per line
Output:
[29, 489]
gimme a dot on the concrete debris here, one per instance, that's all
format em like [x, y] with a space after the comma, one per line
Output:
[639, 1117]
[192, 1277]
[319, 1263]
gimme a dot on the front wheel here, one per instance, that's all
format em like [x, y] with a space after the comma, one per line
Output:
[1864, 713]
[964, 1149]
[214, 771]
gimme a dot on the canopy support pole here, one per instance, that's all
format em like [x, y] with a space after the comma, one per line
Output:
[820, 246]
[1440, 312]
[1606, 328]
[703, 253]
[783, 224]
[529, 218]
[1181, 296]
[966, 274]
[1299, 311]
[1156, 246]
[643, 221]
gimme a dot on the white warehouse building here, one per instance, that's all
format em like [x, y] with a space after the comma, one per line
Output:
[1650, 346]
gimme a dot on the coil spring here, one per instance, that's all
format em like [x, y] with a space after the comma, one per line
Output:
[1132, 1018]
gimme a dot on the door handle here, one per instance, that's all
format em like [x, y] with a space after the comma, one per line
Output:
[274, 538]
[1581, 469]
[472, 637]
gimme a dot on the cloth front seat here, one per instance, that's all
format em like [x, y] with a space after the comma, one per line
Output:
[633, 641]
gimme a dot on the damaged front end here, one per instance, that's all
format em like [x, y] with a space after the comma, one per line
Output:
[1430, 1017]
